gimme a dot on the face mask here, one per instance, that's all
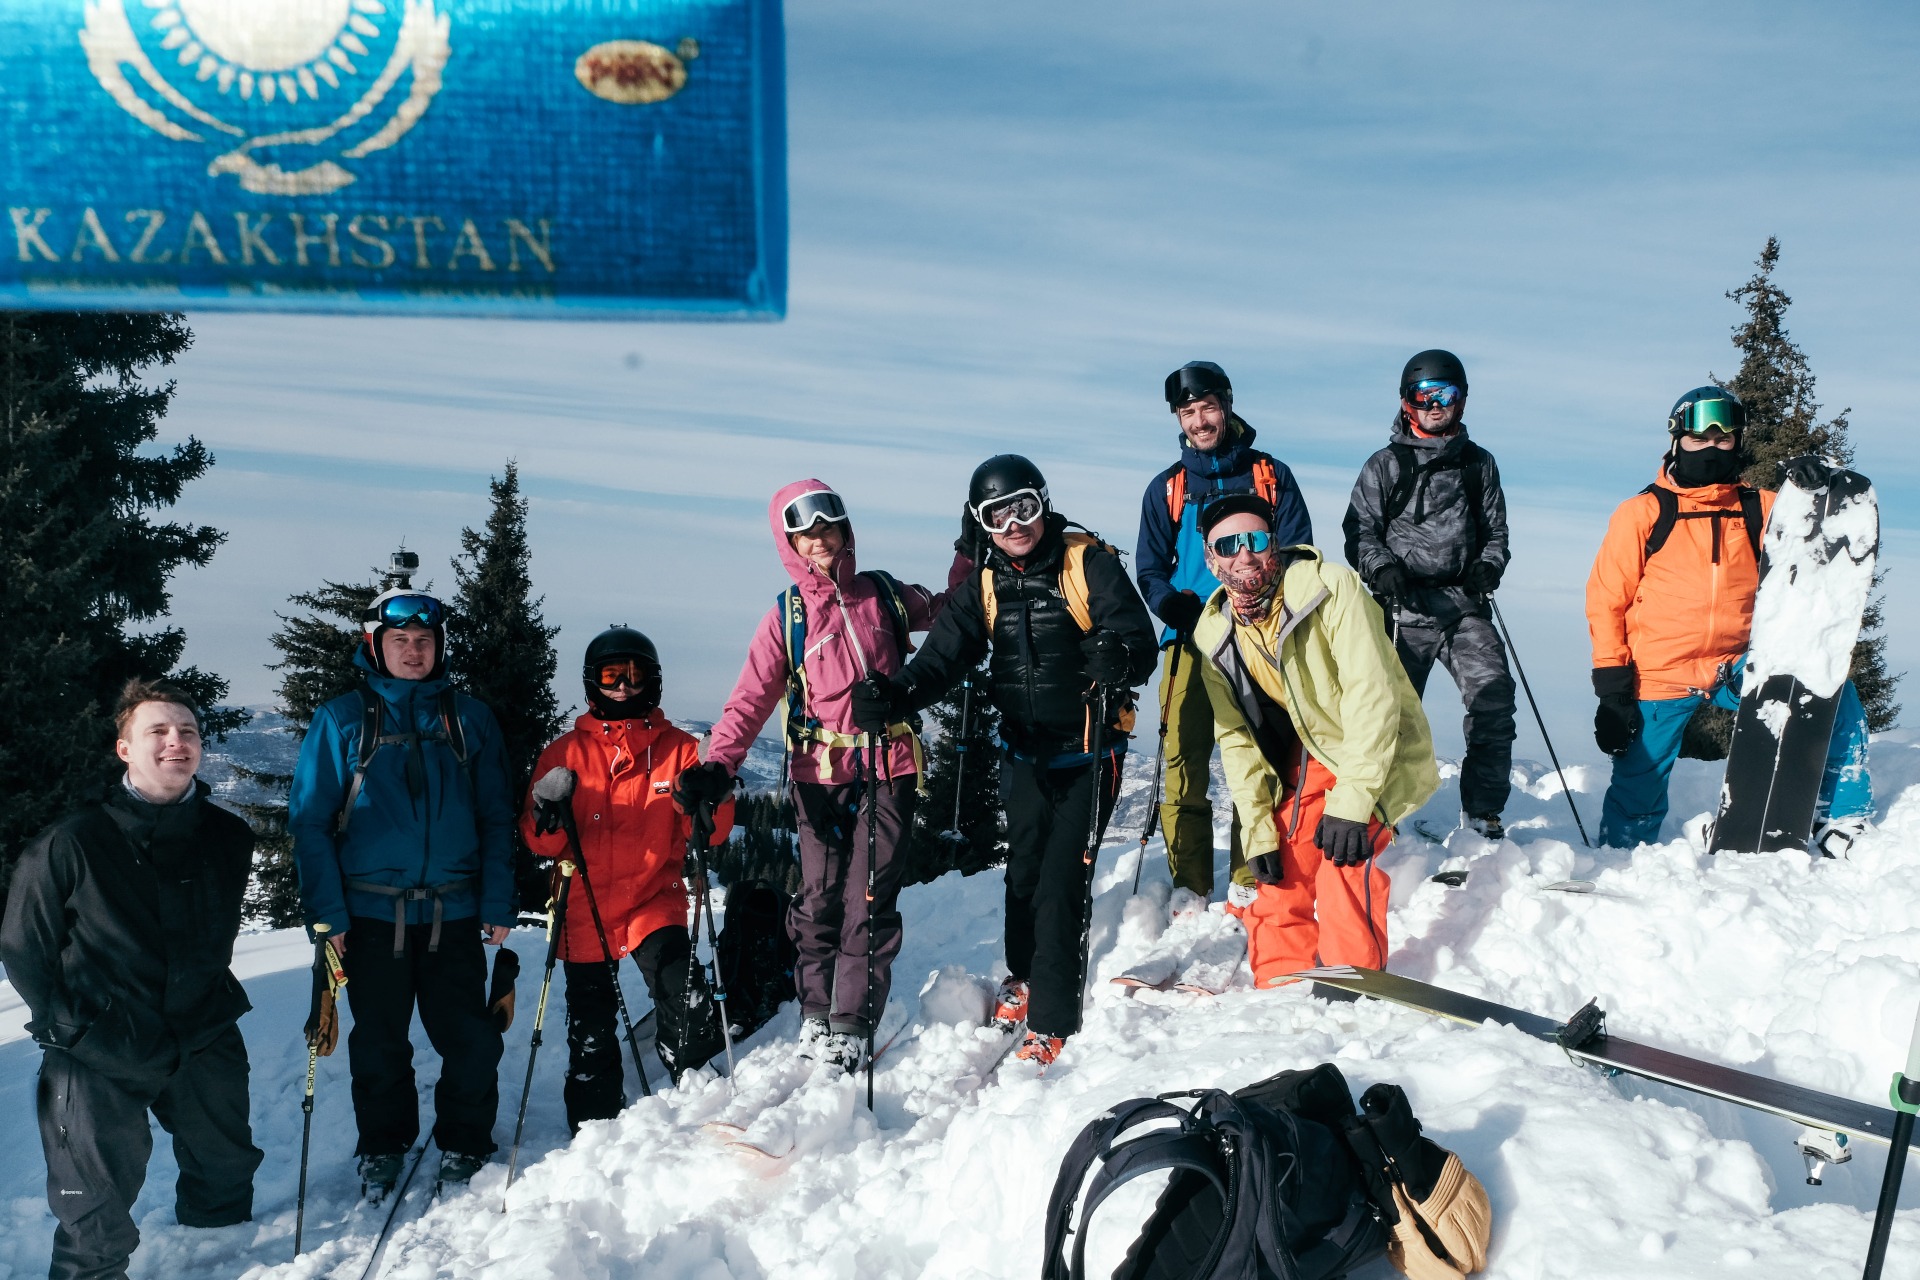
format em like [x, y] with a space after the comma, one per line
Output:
[1251, 585]
[1692, 469]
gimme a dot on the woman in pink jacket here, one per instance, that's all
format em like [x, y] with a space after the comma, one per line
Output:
[842, 625]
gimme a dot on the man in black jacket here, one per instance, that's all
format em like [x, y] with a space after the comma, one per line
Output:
[1064, 624]
[118, 935]
[1427, 529]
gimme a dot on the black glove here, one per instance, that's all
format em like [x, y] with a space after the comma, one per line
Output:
[1388, 1141]
[701, 785]
[1809, 472]
[971, 535]
[877, 703]
[1108, 662]
[1265, 868]
[1345, 843]
[551, 796]
[1616, 723]
[1390, 580]
[1483, 577]
[1181, 610]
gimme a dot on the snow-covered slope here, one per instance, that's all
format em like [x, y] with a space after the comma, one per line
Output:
[1801, 970]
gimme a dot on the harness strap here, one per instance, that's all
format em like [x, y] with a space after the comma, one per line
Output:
[402, 895]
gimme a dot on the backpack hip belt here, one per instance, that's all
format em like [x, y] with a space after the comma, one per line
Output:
[402, 895]
[834, 740]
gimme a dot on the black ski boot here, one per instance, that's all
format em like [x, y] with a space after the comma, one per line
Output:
[379, 1173]
[457, 1168]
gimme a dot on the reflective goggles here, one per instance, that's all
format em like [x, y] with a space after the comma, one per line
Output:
[809, 509]
[1227, 546]
[632, 672]
[401, 611]
[1704, 417]
[1434, 394]
[1001, 514]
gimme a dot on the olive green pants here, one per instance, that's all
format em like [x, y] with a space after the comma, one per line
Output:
[1186, 813]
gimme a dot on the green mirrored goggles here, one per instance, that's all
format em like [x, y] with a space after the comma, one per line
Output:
[1703, 416]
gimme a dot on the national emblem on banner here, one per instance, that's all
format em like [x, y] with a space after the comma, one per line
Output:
[284, 94]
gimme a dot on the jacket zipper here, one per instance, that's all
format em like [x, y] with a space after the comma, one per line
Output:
[846, 620]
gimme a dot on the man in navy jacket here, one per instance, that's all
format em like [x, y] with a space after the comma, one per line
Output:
[1216, 457]
[401, 820]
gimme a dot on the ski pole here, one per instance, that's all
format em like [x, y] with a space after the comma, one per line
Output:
[953, 835]
[700, 840]
[1906, 1101]
[1096, 829]
[1159, 761]
[328, 978]
[1565, 790]
[556, 926]
[873, 863]
[606, 951]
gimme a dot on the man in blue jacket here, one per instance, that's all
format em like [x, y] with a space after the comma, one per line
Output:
[1216, 457]
[401, 820]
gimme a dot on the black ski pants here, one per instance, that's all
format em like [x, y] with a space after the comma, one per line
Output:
[833, 926]
[450, 987]
[1049, 881]
[595, 1087]
[1471, 651]
[94, 1132]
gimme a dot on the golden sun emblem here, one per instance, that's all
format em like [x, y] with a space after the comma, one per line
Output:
[204, 70]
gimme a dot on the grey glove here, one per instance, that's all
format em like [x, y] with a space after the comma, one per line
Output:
[551, 795]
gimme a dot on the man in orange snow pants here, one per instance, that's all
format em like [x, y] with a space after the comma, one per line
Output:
[1322, 737]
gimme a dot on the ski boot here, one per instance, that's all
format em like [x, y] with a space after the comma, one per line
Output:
[1487, 826]
[1185, 904]
[1041, 1050]
[813, 1038]
[844, 1050]
[1239, 898]
[1010, 1005]
[378, 1174]
[457, 1168]
[1835, 838]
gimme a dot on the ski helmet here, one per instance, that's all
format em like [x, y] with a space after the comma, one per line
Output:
[1195, 379]
[1432, 366]
[621, 654]
[403, 607]
[1704, 408]
[1004, 476]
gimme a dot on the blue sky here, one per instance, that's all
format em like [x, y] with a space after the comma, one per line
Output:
[1010, 221]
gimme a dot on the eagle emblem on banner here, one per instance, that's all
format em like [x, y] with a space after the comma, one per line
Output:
[286, 94]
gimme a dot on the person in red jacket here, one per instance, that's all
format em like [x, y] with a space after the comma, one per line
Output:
[624, 757]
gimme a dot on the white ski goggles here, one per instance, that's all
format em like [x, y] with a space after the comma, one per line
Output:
[1023, 506]
[809, 509]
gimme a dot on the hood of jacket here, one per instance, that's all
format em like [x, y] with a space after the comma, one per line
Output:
[1431, 448]
[401, 695]
[815, 586]
[1234, 457]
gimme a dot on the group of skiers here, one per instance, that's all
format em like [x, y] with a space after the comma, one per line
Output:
[1307, 675]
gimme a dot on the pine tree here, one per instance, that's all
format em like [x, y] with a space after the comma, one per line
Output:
[929, 854]
[500, 650]
[1776, 384]
[84, 561]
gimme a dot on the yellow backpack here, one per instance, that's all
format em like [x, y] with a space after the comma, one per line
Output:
[1073, 587]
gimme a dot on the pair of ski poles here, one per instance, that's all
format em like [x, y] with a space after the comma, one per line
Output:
[322, 1032]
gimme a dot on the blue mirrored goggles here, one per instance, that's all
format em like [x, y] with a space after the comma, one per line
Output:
[1230, 545]
[402, 611]
[1434, 394]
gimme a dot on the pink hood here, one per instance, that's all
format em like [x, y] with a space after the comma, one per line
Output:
[850, 632]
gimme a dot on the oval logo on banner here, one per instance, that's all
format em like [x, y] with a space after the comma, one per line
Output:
[284, 94]
[631, 72]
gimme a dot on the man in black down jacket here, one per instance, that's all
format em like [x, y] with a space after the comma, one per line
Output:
[1045, 666]
[118, 935]
[1427, 529]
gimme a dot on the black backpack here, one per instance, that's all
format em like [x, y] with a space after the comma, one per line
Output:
[1265, 1186]
[755, 955]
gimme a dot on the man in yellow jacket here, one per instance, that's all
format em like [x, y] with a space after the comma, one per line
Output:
[1324, 740]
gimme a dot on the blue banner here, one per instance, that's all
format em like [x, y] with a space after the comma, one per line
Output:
[620, 158]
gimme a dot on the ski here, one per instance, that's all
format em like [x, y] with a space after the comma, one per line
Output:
[397, 1197]
[1585, 1039]
[1457, 876]
[1816, 571]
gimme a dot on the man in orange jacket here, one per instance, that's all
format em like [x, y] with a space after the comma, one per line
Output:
[624, 756]
[1670, 608]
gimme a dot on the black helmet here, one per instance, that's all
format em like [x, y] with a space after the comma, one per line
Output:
[1704, 408]
[1433, 366]
[1197, 378]
[1002, 476]
[613, 645]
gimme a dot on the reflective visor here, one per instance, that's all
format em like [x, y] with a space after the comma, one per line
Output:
[401, 611]
[631, 671]
[1434, 394]
[1703, 416]
[1000, 515]
[1227, 546]
[804, 511]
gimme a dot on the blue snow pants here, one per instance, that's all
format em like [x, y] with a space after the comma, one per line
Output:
[1636, 802]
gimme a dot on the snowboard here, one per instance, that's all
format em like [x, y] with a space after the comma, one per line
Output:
[1816, 570]
[1585, 1039]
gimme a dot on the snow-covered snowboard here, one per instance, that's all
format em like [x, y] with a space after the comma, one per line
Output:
[1816, 570]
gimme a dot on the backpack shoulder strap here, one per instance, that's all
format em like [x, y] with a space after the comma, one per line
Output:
[1177, 492]
[451, 725]
[367, 744]
[1095, 1143]
[1266, 481]
[1750, 512]
[1406, 471]
[1073, 577]
[793, 629]
[1473, 479]
[893, 596]
[989, 602]
[1668, 503]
